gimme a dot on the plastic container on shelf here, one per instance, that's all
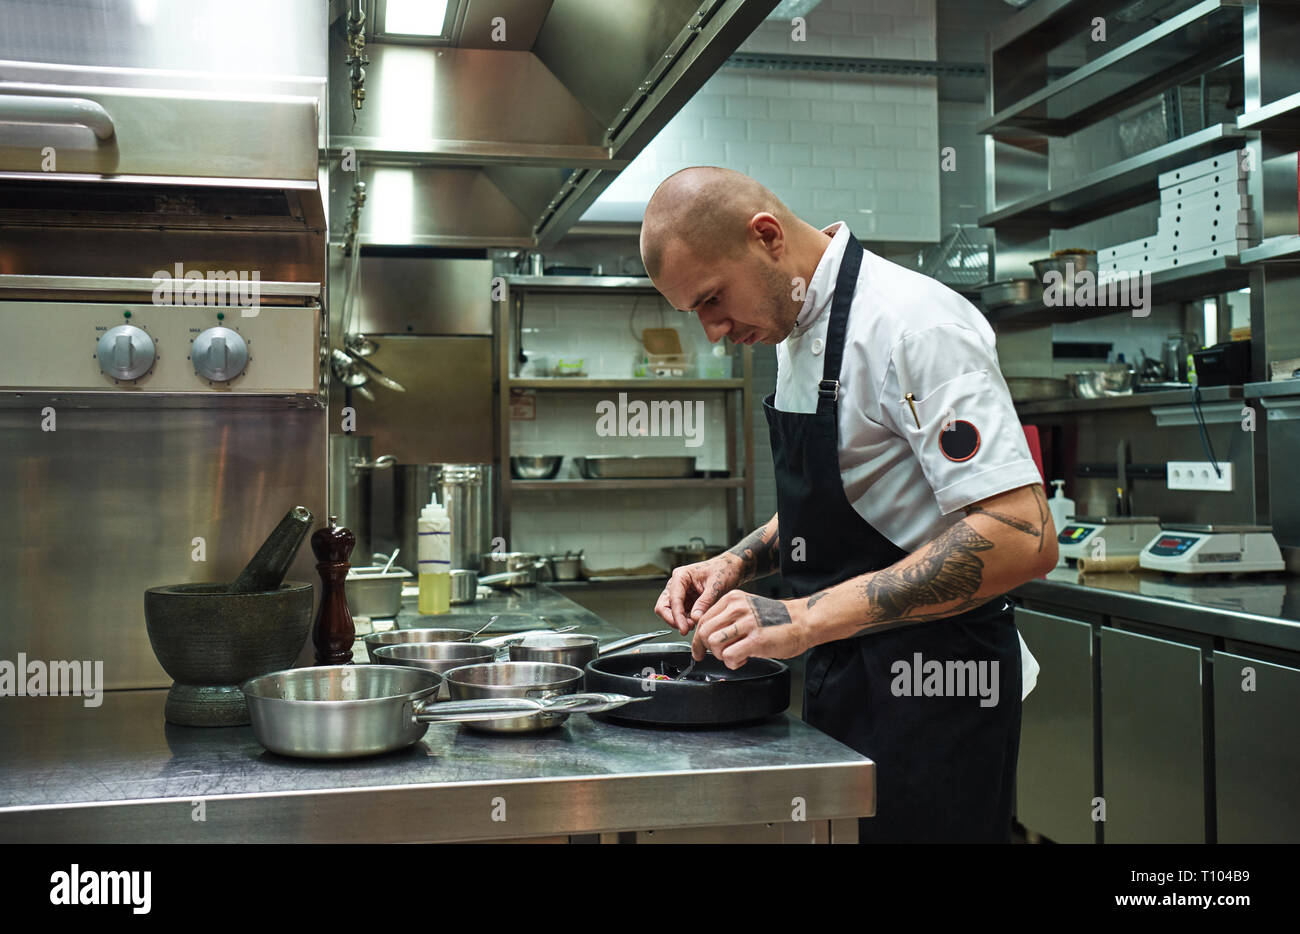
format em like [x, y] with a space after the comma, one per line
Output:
[716, 364]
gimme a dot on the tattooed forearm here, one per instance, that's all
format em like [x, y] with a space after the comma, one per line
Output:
[1035, 527]
[948, 574]
[759, 554]
[1014, 521]
[768, 612]
[814, 598]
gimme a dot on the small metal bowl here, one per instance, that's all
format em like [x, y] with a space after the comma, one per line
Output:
[537, 680]
[574, 649]
[398, 636]
[535, 467]
[1099, 384]
[464, 586]
[438, 657]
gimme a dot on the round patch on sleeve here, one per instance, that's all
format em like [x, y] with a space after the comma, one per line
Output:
[959, 441]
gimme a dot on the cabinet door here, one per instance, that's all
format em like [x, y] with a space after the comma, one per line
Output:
[1256, 750]
[1055, 776]
[1152, 740]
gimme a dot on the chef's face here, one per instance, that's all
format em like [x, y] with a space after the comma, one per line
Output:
[745, 298]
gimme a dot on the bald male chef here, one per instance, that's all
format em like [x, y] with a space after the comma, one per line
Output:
[907, 502]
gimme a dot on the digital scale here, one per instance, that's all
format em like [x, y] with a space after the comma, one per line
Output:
[1105, 536]
[1212, 549]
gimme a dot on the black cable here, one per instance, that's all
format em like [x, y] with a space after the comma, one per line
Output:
[1205, 435]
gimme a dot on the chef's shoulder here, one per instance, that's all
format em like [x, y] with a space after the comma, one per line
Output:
[917, 329]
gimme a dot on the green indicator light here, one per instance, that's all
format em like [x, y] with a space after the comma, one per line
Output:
[221, 316]
[126, 314]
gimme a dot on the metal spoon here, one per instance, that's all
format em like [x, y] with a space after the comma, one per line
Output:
[391, 559]
[377, 374]
[490, 621]
[509, 638]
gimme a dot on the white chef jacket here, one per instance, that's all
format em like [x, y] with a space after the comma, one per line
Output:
[908, 333]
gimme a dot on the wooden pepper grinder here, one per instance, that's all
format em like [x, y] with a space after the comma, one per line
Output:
[334, 631]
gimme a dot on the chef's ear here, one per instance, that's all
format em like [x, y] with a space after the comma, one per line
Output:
[769, 233]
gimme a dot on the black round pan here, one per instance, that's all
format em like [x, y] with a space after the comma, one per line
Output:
[714, 696]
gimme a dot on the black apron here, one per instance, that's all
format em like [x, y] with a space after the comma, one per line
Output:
[945, 766]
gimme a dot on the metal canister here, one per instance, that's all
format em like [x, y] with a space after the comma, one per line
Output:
[465, 490]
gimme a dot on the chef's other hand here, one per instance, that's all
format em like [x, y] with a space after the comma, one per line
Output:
[693, 588]
[743, 625]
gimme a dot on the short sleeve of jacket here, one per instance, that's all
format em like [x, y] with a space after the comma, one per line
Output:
[964, 430]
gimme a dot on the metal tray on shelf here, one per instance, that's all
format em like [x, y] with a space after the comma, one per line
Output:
[636, 467]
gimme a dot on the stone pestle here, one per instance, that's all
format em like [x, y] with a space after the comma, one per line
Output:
[267, 569]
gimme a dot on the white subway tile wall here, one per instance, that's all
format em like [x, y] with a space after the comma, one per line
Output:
[864, 149]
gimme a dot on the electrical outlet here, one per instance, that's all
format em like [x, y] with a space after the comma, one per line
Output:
[1198, 475]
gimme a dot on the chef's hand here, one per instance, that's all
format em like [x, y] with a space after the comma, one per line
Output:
[693, 588]
[743, 625]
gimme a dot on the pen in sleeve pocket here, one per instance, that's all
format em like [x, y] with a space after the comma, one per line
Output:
[911, 404]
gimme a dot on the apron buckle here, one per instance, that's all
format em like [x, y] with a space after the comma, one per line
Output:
[829, 389]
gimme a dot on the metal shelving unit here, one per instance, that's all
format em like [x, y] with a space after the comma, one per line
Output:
[1134, 400]
[1212, 276]
[1276, 249]
[1203, 37]
[1283, 114]
[1029, 105]
[1117, 187]
[738, 392]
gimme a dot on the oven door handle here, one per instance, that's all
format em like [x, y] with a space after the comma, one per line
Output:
[62, 111]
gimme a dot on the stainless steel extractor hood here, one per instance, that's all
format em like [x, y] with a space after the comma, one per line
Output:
[502, 132]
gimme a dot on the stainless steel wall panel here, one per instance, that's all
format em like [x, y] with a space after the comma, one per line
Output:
[445, 415]
[110, 503]
[419, 295]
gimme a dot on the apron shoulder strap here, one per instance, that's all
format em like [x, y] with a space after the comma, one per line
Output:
[828, 390]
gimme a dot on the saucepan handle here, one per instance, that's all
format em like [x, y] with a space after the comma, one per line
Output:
[592, 702]
[473, 711]
[619, 645]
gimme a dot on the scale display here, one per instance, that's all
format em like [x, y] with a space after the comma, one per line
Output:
[1172, 545]
[1073, 534]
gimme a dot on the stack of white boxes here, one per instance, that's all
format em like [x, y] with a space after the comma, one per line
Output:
[1204, 214]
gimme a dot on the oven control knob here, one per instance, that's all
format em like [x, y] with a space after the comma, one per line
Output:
[219, 354]
[125, 352]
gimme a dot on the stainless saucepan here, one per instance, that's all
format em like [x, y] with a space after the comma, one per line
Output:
[344, 711]
[536, 680]
[573, 649]
[400, 636]
[438, 657]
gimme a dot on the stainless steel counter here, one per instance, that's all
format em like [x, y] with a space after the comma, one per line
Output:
[119, 773]
[1262, 610]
